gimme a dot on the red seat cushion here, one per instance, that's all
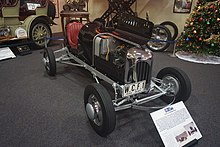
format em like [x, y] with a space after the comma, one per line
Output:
[72, 31]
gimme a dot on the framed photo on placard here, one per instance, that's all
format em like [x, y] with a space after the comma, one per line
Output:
[182, 6]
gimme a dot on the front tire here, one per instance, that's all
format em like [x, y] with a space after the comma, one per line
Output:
[99, 109]
[49, 61]
[38, 31]
[176, 82]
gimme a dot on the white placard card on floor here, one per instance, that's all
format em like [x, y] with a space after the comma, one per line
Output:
[6, 53]
[175, 125]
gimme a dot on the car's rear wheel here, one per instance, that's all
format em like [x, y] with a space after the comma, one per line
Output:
[172, 27]
[49, 61]
[38, 31]
[160, 39]
[176, 83]
[99, 109]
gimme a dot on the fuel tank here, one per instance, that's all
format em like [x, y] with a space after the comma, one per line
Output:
[86, 35]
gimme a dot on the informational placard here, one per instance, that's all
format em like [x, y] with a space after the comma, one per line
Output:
[175, 125]
[6, 53]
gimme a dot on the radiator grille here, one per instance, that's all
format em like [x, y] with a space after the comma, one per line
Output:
[142, 70]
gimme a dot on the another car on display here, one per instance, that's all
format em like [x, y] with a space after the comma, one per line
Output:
[120, 57]
[29, 19]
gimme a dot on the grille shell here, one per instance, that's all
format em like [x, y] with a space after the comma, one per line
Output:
[138, 66]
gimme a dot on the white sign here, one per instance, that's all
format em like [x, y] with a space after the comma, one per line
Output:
[175, 125]
[6, 53]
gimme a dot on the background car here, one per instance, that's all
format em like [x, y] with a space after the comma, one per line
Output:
[22, 22]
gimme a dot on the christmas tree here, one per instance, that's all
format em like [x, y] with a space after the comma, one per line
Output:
[202, 29]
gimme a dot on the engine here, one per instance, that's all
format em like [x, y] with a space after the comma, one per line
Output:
[118, 53]
[121, 60]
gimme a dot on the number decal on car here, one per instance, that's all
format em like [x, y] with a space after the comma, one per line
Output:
[133, 88]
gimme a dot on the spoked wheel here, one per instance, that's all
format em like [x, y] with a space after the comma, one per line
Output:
[160, 35]
[172, 27]
[38, 31]
[99, 109]
[176, 83]
[49, 62]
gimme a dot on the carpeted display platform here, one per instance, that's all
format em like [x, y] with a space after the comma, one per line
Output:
[41, 111]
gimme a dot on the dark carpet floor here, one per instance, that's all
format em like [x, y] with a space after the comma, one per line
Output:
[39, 111]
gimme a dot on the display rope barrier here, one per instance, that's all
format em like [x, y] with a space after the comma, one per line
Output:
[63, 38]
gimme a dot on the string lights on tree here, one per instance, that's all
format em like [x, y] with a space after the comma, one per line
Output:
[202, 29]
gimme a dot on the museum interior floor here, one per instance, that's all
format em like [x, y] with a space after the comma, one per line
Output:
[42, 111]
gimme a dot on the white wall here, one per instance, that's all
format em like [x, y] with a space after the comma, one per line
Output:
[159, 11]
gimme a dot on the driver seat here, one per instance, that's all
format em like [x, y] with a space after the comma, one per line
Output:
[72, 31]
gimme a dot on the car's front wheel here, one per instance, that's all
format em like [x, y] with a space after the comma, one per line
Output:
[99, 109]
[176, 84]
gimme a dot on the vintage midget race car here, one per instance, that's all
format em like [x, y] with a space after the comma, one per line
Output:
[118, 56]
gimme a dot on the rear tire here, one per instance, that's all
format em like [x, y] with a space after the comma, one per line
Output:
[160, 35]
[172, 27]
[49, 61]
[179, 82]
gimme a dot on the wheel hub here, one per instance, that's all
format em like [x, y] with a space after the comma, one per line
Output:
[93, 110]
[158, 37]
[39, 32]
[90, 111]
[46, 62]
[172, 84]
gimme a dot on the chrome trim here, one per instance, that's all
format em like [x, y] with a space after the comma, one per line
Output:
[109, 34]
[136, 56]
